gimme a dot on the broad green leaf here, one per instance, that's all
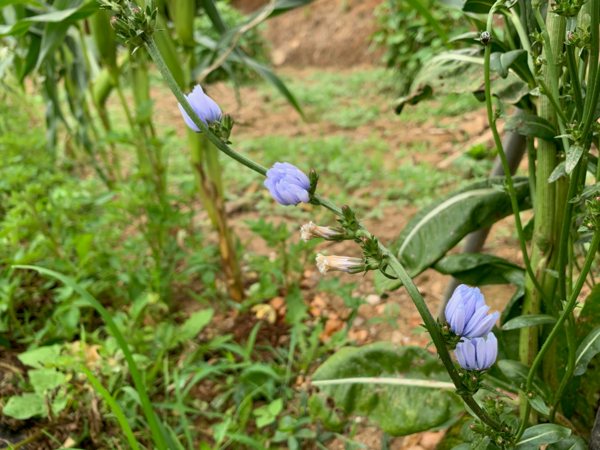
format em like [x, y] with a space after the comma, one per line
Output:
[422, 93]
[439, 227]
[517, 373]
[573, 156]
[25, 406]
[531, 126]
[192, 326]
[589, 348]
[53, 36]
[571, 443]
[478, 6]
[398, 409]
[530, 320]
[44, 380]
[537, 403]
[40, 356]
[478, 269]
[537, 435]
[501, 62]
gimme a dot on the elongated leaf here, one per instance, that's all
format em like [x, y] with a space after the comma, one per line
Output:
[70, 16]
[262, 70]
[573, 156]
[558, 172]
[439, 227]
[32, 55]
[478, 6]
[54, 34]
[531, 126]
[398, 409]
[571, 443]
[421, 9]
[531, 320]
[589, 348]
[478, 269]
[114, 407]
[517, 373]
[537, 435]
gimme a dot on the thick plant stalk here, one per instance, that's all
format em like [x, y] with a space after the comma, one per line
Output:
[545, 251]
[392, 261]
[211, 194]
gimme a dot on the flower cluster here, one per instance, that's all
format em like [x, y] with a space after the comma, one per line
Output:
[131, 22]
[468, 319]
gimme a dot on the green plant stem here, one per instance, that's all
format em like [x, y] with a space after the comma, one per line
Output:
[593, 85]
[164, 70]
[531, 169]
[554, 94]
[523, 35]
[554, 101]
[571, 330]
[509, 181]
[589, 259]
[574, 76]
[392, 260]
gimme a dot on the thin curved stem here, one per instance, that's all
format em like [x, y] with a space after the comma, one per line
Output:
[589, 259]
[570, 331]
[393, 262]
[509, 181]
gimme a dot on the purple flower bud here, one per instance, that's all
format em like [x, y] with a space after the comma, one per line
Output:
[203, 105]
[287, 184]
[478, 353]
[466, 313]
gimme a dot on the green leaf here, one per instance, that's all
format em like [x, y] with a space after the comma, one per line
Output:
[571, 443]
[539, 405]
[478, 6]
[397, 409]
[67, 16]
[501, 62]
[317, 406]
[542, 434]
[44, 380]
[573, 156]
[558, 172]
[424, 11]
[40, 356]
[439, 227]
[423, 92]
[192, 326]
[517, 373]
[478, 269]
[589, 348]
[531, 126]
[25, 406]
[531, 320]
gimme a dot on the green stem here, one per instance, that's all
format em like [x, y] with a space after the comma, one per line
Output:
[164, 70]
[591, 99]
[509, 181]
[392, 261]
[574, 76]
[531, 169]
[589, 259]
[570, 329]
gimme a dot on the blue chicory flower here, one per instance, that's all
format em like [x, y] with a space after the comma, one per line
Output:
[467, 313]
[287, 184]
[477, 353]
[203, 105]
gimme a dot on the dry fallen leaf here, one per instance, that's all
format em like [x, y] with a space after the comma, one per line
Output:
[265, 312]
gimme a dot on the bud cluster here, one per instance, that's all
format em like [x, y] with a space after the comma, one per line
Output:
[567, 8]
[132, 22]
[580, 38]
[222, 127]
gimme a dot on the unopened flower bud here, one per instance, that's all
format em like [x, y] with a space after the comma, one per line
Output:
[472, 427]
[312, 231]
[340, 263]
[530, 394]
